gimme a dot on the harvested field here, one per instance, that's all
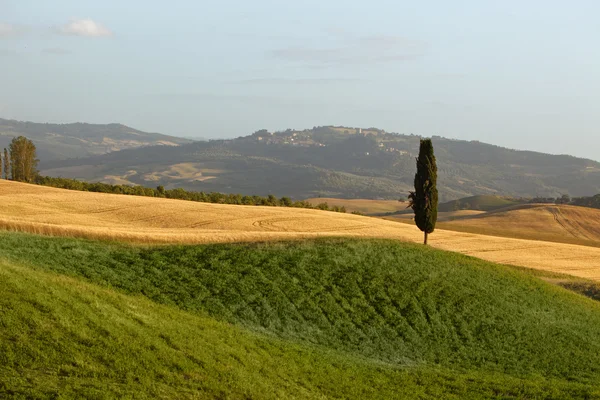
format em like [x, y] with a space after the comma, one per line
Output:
[45, 210]
[53, 211]
[560, 223]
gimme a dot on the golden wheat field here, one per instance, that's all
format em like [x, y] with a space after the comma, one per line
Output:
[546, 221]
[44, 210]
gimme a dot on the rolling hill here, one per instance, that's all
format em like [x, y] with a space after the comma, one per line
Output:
[315, 319]
[60, 212]
[479, 203]
[62, 141]
[468, 206]
[559, 223]
[541, 221]
[363, 206]
[337, 162]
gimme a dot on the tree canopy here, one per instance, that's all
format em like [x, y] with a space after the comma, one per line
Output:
[23, 159]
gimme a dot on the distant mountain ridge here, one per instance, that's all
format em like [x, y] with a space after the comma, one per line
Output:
[337, 162]
[62, 141]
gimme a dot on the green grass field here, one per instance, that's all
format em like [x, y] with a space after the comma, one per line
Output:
[315, 319]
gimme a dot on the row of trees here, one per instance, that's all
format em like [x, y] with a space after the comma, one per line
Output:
[181, 194]
[585, 201]
[19, 161]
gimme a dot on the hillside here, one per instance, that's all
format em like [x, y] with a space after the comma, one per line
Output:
[60, 212]
[62, 141]
[364, 206]
[317, 319]
[558, 223]
[542, 221]
[338, 162]
[468, 206]
[479, 203]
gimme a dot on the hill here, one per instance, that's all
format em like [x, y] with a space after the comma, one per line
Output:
[479, 203]
[363, 206]
[62, 141]
[338, 162]
[328, 318]
[540, 221]
[468, 206]
[51, 211]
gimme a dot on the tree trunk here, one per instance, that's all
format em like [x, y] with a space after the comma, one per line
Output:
[425, 239]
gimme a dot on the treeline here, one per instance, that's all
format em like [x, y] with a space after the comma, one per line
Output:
[592, 201]
[19, 163]
[589, 201]
[181, 194]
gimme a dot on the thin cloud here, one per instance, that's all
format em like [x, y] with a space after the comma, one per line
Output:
[84, 27]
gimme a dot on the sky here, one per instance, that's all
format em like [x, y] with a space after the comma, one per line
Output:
[519, 74]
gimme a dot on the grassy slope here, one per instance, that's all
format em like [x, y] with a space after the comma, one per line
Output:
[59, 335]
[63, 338]
[393, 303]
[481, 203]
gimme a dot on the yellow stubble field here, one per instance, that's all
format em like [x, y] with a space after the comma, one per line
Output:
[43, 210]
[546, 221]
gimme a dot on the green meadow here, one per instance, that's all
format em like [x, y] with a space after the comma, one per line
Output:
[331, 318]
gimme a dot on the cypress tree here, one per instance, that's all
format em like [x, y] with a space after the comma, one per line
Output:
[6, 164]
[424, 200]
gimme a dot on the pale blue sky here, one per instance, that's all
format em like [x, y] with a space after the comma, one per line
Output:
[521, 74]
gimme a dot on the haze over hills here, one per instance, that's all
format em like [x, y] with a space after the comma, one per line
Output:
[61, 141]
[336, 162]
